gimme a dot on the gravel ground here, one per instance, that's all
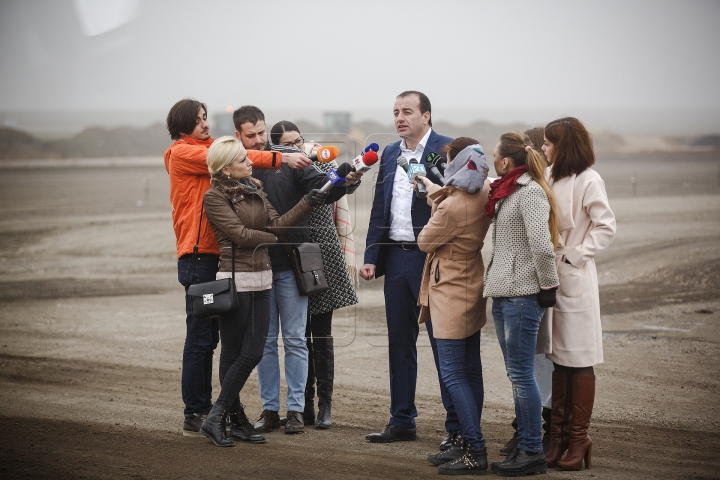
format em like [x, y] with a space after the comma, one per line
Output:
[92, 327]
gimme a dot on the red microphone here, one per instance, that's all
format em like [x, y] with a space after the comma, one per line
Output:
[362, 163]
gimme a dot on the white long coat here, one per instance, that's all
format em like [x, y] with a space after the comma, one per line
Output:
[571, 333]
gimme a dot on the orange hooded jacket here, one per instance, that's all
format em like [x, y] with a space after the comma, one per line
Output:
[186, 163]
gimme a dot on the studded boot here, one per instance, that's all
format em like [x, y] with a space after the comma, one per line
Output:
[456, 450]
[471, 462]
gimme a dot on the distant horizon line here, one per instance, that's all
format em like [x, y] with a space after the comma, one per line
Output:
[623, 120]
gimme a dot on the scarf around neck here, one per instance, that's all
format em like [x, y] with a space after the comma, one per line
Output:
[468, 170]
[230, 187]
[501, 188]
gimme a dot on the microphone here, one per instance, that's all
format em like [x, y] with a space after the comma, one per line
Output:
[373, 146]
[325, 154]
[362, 163]
[336, 178]
[417, 169]
[433, 159]
[402, 161]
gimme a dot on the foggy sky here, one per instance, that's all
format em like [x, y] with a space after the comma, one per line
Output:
[316, 55]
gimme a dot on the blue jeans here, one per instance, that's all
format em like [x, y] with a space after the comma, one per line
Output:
[288, 310]
[201, 337]
[517, 320]
[461, 372]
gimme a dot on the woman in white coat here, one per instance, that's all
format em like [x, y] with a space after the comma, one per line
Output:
[574, 335]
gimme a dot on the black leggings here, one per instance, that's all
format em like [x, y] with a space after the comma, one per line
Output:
[589, 371]
[242, 336]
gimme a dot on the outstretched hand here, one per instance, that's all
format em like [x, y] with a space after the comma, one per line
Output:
[296, 160]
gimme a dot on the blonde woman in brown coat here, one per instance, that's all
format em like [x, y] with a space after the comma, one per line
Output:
[452, 278]
[245, 223]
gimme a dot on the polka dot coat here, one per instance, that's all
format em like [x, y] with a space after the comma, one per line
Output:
[523, 258]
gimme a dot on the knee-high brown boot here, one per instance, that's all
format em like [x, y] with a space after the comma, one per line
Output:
[559, 418]
[582, 398]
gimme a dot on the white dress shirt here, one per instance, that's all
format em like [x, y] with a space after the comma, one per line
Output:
[401, 228]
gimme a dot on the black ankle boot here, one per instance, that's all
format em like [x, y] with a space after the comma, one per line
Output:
[323, 421]
[214, 426]
[241, 428]
[521, 463]
[471, 462]
[453, 452]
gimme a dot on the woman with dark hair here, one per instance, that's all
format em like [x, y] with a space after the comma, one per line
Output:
[244, 223]
[330, 228]
[587, 226]
[521, 278]
[453, 274]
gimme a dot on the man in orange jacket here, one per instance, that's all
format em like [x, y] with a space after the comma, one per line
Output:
[186, 164]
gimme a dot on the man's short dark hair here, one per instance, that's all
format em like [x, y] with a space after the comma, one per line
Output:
[182, 117]
[245, 114]
[424, 102]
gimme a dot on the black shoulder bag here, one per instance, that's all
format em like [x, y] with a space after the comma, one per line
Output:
[216, 298]
[307, 263]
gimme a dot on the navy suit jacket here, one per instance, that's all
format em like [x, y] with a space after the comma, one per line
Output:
[377, 236]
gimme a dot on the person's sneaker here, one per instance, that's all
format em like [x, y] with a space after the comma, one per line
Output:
[294, 422]
[193, 422]
[471, 462]
[522, 463]
[268, 421]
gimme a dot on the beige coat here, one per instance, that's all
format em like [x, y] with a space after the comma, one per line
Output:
[452, 281]
[571, 332]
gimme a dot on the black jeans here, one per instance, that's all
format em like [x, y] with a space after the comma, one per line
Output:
[201, 337]
[242, 337]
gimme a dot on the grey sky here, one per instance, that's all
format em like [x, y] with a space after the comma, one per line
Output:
[466, 55]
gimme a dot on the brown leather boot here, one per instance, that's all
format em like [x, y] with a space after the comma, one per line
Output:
[582, 398]
[559, 419]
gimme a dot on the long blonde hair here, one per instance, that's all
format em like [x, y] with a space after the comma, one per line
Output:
[514, 145]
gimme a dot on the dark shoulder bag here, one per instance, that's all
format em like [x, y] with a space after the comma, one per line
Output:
[308, 266]
[216, 298]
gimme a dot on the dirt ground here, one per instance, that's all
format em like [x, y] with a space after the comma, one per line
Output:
[92, 328]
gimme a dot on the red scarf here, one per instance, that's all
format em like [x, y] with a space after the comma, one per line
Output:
[501, 188]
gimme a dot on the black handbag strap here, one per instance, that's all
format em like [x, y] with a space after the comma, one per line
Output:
[193, 259]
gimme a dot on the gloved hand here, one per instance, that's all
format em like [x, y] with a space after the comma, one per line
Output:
[315, 197]
[546, 298]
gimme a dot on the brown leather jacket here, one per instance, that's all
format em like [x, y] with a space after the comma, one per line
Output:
[252, 224]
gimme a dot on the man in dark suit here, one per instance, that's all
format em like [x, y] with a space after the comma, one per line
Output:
[396, 219]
